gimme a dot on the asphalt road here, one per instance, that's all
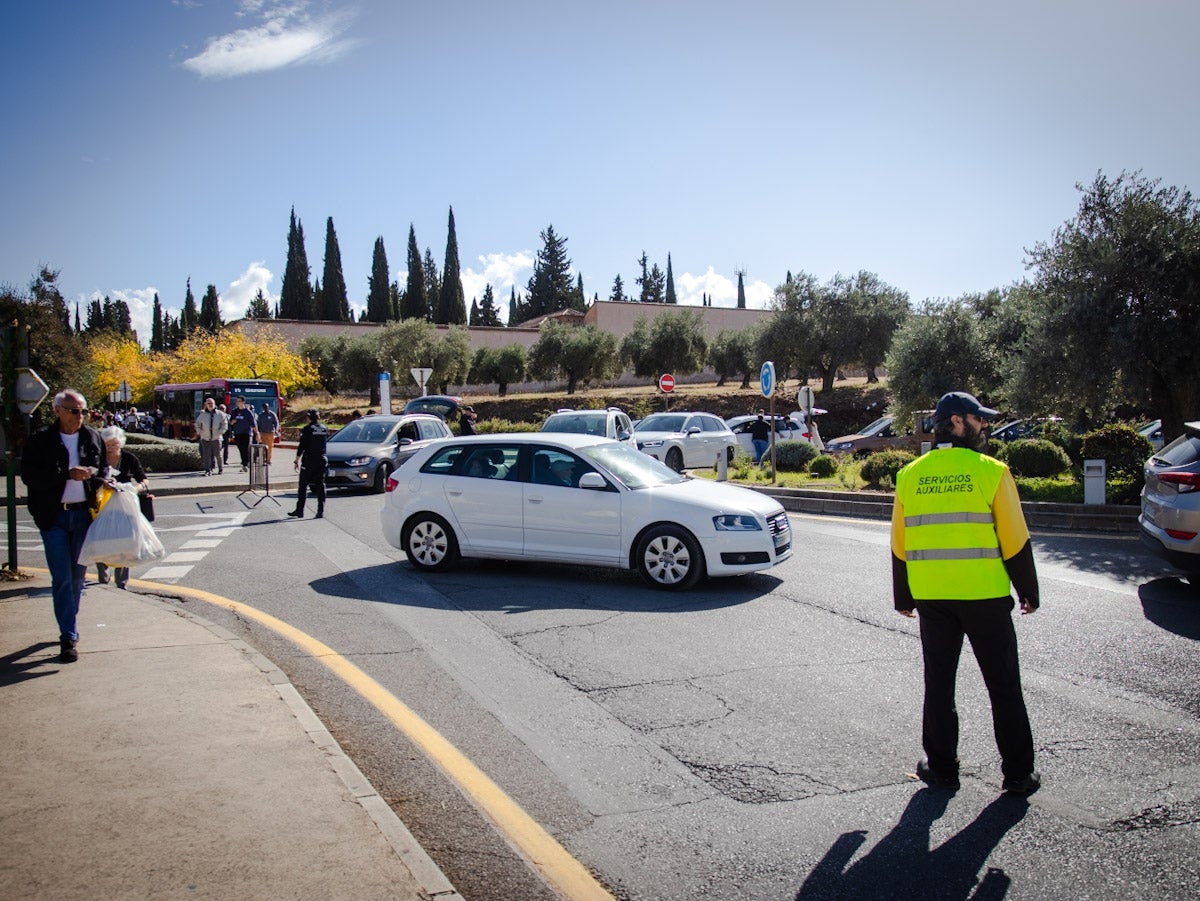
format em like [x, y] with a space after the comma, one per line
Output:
[752, 739]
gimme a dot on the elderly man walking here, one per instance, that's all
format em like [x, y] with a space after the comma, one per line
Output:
[62, 465]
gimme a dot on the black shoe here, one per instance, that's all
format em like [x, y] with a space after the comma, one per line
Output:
[930, 776]
[295, 512]
[67, 652]
[1024, 786]
[320, 514]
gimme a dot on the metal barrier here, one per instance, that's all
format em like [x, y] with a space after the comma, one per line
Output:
[260, 475]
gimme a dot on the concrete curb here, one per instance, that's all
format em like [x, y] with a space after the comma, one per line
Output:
[1113, 518]
[428, 874]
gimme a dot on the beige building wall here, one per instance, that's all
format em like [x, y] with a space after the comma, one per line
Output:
[619, 318]
[607, 315]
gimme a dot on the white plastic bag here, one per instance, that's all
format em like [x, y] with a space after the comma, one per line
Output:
[120, 535]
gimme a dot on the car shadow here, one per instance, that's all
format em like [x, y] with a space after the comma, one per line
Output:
[902, 865]
[1171, 604]
[496, 586]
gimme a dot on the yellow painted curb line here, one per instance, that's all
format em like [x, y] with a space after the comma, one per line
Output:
[556, 865]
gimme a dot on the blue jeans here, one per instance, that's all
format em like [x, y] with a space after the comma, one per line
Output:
[760, 448]
[62, 543]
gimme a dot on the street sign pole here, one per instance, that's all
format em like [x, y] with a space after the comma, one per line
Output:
[767, 379]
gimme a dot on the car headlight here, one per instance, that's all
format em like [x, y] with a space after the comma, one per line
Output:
[657, 443]
[358, 461]
[736, 522]
[838, 445]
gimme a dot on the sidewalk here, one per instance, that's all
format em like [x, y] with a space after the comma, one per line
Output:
[172, 761]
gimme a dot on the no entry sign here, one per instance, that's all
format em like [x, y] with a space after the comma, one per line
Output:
[666, 382]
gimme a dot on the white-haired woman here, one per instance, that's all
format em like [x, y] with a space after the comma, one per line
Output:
[125, 467]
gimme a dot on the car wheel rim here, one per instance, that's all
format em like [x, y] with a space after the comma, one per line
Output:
[428, 543]
[667, 560]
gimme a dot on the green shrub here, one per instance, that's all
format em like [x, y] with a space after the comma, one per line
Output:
[880, 468]
[823, 466]
[495, 426]
[1124, 489]
[1056, 432]
[1124, 450]
[1050, 491]
[792, 456]
[171, 456]
[1036, 457]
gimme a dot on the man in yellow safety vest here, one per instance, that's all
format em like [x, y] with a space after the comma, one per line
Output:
[958, 540]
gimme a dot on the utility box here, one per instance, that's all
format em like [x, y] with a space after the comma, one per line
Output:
[1094, 477]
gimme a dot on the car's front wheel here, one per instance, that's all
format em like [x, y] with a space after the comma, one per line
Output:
[381, 477]
[674, 459]
[668, 557]
[429, 543]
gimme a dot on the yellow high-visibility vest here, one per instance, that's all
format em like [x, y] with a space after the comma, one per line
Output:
[950, 543]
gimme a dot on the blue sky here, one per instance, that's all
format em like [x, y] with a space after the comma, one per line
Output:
[930, 142]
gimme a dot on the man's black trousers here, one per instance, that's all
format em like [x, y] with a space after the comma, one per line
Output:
[988, 625]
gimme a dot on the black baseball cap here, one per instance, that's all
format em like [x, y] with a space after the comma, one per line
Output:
[959, 403]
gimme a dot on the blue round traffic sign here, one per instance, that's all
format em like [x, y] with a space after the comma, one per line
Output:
[767, 377]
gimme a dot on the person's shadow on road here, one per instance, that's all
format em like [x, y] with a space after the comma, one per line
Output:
[902, 865]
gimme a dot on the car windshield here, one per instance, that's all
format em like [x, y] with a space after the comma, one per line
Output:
[662, 422]
[364, 430]
[877, 426]
[576, 423]
[633, 468]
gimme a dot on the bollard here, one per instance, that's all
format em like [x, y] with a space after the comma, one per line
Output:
[722, 466]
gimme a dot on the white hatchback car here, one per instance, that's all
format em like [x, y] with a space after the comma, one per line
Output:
[610, 423]
[685, 440]
[577, 499]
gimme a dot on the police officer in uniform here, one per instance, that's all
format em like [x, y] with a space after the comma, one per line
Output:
[311, 463]
[959, 540]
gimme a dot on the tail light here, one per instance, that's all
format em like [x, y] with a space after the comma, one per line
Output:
[390, 485]
[1184, 482]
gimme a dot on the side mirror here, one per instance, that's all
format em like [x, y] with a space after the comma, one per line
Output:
[594, 481]
[404, 441]
[623, 435]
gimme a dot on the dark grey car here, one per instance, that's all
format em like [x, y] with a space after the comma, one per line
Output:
[365, 452]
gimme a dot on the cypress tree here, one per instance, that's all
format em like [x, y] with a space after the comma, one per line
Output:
[295, 298]
[618, 290]
[550, 288]
[189, 317]
[433, 284]
[488, 313]
[644, 281]
[415, 303]
[670, 298]
[379, 299]
[335, 305]
[156, 325]
[452, 308]
[741, 299]
[259, 308]
[210, 311]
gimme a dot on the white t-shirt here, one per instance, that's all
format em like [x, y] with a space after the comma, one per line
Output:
[73, 493]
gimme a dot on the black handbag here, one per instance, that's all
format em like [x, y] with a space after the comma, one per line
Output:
[146, 502]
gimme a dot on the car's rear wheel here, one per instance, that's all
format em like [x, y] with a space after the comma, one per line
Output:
[668, 557]
[381, 477]
[429, 543]
[674, 459]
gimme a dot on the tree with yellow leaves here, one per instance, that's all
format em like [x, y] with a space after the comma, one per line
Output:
[233, 355]
[115, 359]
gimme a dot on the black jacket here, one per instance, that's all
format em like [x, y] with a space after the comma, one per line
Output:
[44, 470]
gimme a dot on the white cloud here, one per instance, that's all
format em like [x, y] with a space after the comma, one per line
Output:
[722, 291]
[286, 36]
[503, 271]
[235, 301]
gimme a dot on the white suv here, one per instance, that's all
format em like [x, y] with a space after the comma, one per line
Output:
[685, 440]
[610, 423]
